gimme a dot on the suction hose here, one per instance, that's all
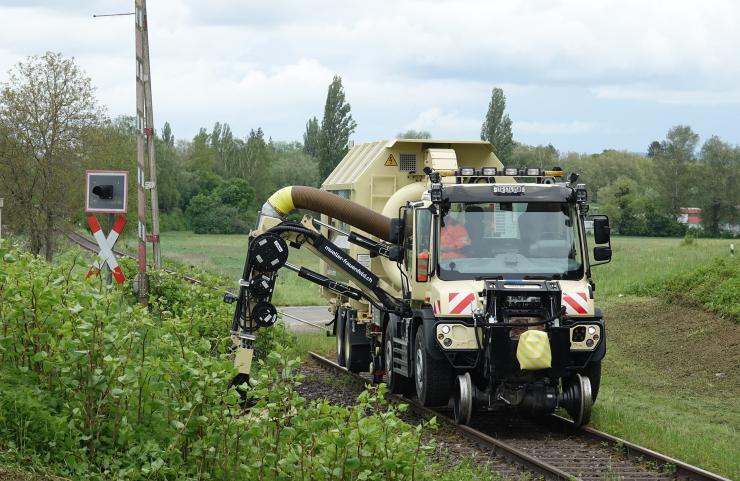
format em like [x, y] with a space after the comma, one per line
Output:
[300, 197]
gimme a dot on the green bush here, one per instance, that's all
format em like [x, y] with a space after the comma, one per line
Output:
[715, 287]
[172, 222]
[93, 386]
[228, 209]
[689, 238]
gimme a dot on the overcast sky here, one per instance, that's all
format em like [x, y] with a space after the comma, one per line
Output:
[582, 75]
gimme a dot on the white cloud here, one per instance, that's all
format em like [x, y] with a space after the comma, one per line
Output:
[438, 122]
[544, 128]
[676, 97]
[425, 64]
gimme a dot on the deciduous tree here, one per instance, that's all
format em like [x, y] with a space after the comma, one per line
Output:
[336, 127]
[49, 115]
[311, 138]
[718, 174]
[414, 134]
[497, 127]
[677, 151]
[654, 149]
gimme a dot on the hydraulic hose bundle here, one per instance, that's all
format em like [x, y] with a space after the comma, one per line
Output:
[299, 197]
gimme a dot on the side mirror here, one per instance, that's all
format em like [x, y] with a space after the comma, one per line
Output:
[602, 253]
[396, 233]
[602, 232]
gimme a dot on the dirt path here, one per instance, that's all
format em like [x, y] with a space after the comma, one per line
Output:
[696, 352]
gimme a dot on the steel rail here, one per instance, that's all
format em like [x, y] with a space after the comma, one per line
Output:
[92, 246]
[498, 447]
[683, 471]
[633, 451]
[301, 320]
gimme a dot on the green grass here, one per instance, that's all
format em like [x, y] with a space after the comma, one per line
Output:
[641, 265]
[316, 342]
[225, 254]
[698, 430]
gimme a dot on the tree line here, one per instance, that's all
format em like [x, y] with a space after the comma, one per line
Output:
[52, 129]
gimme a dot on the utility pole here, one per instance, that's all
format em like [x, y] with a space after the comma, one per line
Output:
[142, 280]
[151, 142]
[144, 141]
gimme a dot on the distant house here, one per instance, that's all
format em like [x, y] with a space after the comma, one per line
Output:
[690, 216]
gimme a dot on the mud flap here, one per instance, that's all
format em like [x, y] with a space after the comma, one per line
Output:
[429, 319]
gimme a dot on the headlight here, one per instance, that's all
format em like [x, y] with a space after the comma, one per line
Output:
[511, 171]
[467, 171]
[488, 171]
[533, 171]
[592, 330]
[581, 193]
[445, 329]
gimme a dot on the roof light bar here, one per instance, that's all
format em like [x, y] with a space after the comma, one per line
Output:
[506, 171]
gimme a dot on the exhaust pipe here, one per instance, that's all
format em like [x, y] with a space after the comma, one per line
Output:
[300, 197]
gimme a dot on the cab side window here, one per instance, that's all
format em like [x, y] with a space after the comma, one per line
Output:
[423, 230]
[408, 238]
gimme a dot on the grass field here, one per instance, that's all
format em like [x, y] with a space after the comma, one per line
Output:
[660, 386]
[225, 255]
[641, 265]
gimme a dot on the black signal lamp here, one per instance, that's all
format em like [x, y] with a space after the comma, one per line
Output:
[103, 191]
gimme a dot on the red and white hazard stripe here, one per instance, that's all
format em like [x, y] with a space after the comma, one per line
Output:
[575, 302]
[437, 307]
[106, 253]
[462, 302]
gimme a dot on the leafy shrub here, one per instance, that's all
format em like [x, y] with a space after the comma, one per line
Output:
[715, 287]
[172, 222]
[689, 238]
[97, 387]
[228, 209]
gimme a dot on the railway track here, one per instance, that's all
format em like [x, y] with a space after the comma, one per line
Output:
[91, 246]
[553, 447]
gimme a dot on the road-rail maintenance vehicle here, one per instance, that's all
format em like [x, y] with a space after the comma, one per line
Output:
[448, 275]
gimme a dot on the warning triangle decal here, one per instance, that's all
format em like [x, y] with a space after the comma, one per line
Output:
[391, 161]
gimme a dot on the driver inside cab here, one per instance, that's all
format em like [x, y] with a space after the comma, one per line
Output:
[453, 237]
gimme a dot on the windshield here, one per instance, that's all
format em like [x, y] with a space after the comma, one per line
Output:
[512, 240]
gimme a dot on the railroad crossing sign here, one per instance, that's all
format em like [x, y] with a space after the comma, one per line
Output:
[106, 192]
[106, 247]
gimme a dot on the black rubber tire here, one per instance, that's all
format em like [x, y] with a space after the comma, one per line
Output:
[396, 383]
[593, 371]
[434, 380]
[339, 329]
[358, 356]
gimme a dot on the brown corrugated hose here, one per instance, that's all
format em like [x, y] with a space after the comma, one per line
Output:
[340, 208]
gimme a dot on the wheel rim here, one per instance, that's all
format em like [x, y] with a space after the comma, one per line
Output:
[388, 355]
[585, 385]
[346, 341]
[463, 400]
[419, 368]
[339, 341]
